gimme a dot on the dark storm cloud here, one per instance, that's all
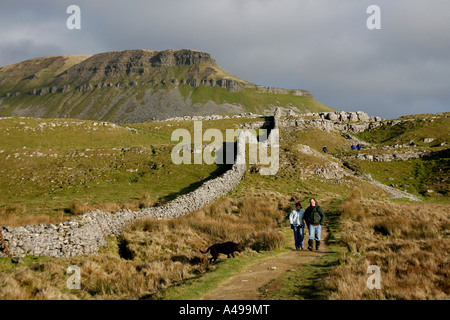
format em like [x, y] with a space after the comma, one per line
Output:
[321, 45]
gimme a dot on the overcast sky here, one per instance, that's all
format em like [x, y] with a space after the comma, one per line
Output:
[320, 45]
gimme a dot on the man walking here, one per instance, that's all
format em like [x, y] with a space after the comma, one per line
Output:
[314, 217]
[296, 221]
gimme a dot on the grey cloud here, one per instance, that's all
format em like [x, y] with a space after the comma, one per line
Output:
[323, 45]
[25, 49]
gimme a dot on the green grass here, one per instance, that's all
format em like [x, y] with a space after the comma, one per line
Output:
[94, 163]
[416, 129]
[29, 261]
[304, 282]
[108, 164]
[315, 139]
[250, 99]
[35, 73]
[416, 176]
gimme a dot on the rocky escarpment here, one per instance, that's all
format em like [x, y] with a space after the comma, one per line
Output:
[228, 84]
[103, 68]
[248, 115]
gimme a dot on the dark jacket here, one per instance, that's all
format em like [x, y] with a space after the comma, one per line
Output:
[314, 215]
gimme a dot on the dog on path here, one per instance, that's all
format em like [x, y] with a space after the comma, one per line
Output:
[227, 248]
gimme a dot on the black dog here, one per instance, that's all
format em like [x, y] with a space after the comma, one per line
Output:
[227, 248]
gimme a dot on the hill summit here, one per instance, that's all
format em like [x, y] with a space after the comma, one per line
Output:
[137, 86]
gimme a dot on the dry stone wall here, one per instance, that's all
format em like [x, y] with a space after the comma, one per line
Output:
[86, 234]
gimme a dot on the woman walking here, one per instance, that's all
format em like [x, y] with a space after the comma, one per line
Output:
[297, 224]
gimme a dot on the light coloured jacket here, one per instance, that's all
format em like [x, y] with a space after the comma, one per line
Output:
[296, 217]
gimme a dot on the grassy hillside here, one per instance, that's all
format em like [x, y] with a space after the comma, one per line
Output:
[414, 128]
[147, 102]
[47, 164]
[35, 73]
[53, 168]
[252, 100]
[426, 177]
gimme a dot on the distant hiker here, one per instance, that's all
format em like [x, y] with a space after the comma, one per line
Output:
[353, 147]
[325, 149]
[297, 224]
[359, 146]
[314, 217]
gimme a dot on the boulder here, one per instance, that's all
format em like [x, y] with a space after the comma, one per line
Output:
[331, 116]
[353, 117]
[362, 116]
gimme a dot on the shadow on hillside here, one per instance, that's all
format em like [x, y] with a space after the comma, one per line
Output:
[268, 124]
[220, 170]
[223, 163]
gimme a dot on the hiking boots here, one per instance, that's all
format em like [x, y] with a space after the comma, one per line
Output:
[310, 245]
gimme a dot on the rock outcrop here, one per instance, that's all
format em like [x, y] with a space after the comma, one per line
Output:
[340, 121]
[329, 170]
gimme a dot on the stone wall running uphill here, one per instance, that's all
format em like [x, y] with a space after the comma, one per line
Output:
[87, 233]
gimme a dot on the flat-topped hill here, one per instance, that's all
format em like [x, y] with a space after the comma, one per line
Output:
[137, 86]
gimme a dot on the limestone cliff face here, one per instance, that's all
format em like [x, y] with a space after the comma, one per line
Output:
[171, 58]
[111, 66]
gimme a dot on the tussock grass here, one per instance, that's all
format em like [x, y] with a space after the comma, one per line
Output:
[151, 255]
[78, 207]
[252, 221]
[19, 215]
[146, 201]
[409, 242]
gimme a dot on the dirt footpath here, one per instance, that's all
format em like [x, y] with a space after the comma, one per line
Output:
[246, 284]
